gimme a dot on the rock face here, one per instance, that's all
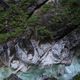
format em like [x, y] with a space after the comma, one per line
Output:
[13, 77]
[62, 50]
[33, 7]
[3, 4]
[30, 53]
[27, 45]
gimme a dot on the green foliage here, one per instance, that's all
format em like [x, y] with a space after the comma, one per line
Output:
[77, 77]
[43, 33]
[33, 20]
[12, 21]
[47, 8]
[66, 14]
[27, 1]
[72, 10]
[71, 3]
[7, 36]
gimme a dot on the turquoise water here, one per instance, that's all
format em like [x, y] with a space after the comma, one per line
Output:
[4, 72]
[35, 73]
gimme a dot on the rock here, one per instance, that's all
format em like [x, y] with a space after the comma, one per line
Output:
[11, 46]
[46, 19]
[13, 77]
[50, 78]
[4, 4]
[39, 2]
[24, 50]
[62, 50]
[33, 7]
[18, 66]
[15, 64]
[30, 57]
[4, 54]
[1, 49]
[24, 68]
[27, 45]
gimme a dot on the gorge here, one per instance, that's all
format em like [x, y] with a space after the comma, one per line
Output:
[39, 41]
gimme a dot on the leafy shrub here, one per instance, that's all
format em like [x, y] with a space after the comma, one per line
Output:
[77, 77]
[43, 33]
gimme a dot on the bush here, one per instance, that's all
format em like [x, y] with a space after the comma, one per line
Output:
[77, 77]
[44, 34]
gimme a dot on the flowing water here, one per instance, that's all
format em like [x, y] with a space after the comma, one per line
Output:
[36, 73]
